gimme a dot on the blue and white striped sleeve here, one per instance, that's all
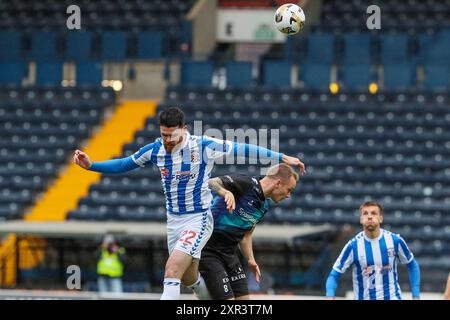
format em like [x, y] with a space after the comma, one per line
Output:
[404, 254]
[345, 259]
[143, 157]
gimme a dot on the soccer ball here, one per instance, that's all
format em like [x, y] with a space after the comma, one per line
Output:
[289, 18]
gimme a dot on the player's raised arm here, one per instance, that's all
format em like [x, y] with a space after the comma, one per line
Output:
[216, 148]
[109, 166]
[250, 151]
[216, 185]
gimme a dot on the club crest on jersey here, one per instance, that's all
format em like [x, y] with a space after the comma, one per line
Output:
[391, 252]
[195, 157]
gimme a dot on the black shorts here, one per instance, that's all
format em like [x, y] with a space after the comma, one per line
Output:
[223, 273]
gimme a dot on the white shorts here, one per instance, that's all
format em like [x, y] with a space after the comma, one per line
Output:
[189, 232]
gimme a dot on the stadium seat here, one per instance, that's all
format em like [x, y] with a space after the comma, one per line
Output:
[12, 71]
[78, 45]
[394, 48]
[49, 73]
[437, 77]
[197, 73]
[150, 45]
[356, 76]
[43, 45]
[89, 72]
[357, 48]
[277, 74]
[316, 76]
[113, 45]
[434, 48]
[320, 48]
[10, 44]
[239, 74]
[399, 76]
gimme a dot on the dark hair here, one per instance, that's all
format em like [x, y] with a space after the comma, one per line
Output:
[172, 117]
[371, 203]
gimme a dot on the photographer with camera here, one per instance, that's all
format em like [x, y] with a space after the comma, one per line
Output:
[110, 266]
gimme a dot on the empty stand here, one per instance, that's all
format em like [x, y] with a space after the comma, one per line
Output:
[39, 131]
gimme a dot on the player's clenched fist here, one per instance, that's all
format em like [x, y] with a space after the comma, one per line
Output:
[82, 159]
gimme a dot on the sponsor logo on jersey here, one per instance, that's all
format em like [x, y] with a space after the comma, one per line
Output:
[180, 175]
[372, 270]
[164, 172]
[246, 216]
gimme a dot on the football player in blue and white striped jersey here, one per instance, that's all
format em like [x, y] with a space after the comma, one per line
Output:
[185, 162]
[374, 255]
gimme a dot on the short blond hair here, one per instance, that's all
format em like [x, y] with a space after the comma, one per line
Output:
[371, 203]
[282, 171]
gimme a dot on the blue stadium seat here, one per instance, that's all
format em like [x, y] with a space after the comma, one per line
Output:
[49, 72]
[357, 48]
[149, 45]
[78, 45]
[277, 74]
[197, 73]
[356, 76]
[316, 76]
[13, 72]
[437, 77]
[435, 48]
[10, 44]
[438, 52]
[89, 72]
[43, 45]
[114, 45]
[394, 47]
[320, 48]
[239, 74]
[399, 76]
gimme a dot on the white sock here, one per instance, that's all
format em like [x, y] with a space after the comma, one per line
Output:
[171, 289]
[200, 289]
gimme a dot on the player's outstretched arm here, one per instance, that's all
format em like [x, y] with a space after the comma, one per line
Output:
[216, 185]
[253, 151]
[109, 166]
